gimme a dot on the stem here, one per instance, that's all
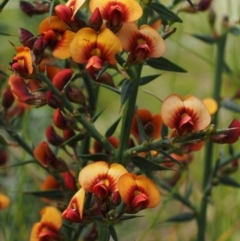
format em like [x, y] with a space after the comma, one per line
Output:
[128, 113]
[201, 217]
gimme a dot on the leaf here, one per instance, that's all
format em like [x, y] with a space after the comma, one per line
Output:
[190, 2]
[147, 165]
[141, 130]
[147, 79]
[164, 64]
[18, 164]
[209, 39]
[52, 5]
[102, 70]
[164, 131]
[112, 128]
[51, 194]
[182, 217]
[95, 117]
[164, 12]
[127, 217]
[234, 30]
[126, 90]
[95, 157]
[74, 139]
[228, 181]
[115, 90]
[3, 141]
[230, 105]
[3, 73]
[113, 232]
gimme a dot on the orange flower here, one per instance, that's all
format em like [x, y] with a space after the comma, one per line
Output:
[22, 61]
[94, 48]
[74, 211]
[151, 123]
[4, 201]
[142, 43]
[49, 226]
[101, 178]
[138, 192]
[57, 36]
[117, 12]
[185, 115]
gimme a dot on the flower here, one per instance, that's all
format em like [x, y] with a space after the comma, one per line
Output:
[142, 43]
[138, 192]
[185, 115]
[101, 178]
[211, 105]
[49, 226]
[151, 123]
[94, 48]
[117, 12]
[4, 201]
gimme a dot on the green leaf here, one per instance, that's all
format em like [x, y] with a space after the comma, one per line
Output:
[112, 128]
[18, 164]
[230, 105]
[147, 165]
[234, 30]
[51, 9]
[51, 194]
[95, 157]
[228, 181]
[164, 131]
[3, 141]
[182, 217]
[113, 232]
[164, 12]
[74, 139]
[147, 79]
[127, 217]
[3, 73]
[126, 90]
[164, 64]
[95, 117]
[209, 39]
[190, 2]
[102, 70]
[141, 130]
[109, 87]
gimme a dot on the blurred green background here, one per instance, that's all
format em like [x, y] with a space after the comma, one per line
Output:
[198, 59]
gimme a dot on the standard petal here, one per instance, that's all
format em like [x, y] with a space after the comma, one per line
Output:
[198, 111]
[82, 45]
[51, 215]
[154, 41]
[35, 231]
[4, 201]
[89, 175]
[24, 53]
[52, 23]
[61, 50]
[114, 173]
[149, 188]
[109, 45]
[75, 4]
[172, 109]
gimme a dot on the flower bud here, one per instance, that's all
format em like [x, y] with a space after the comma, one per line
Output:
[52, 137]
[62, 78]
[26, 38]
[52, 100]
[39, 47]
[69, 181]
[3, 157]
[75, 95]
[67, 134]
[61, 121]
[96, 20]
[7, 99]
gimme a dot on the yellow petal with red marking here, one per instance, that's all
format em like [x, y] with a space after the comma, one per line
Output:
[35, 231]
[52, 23]
[75, 5]
[51, 215]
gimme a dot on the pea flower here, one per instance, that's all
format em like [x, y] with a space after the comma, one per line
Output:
[4, 201]
[137, 192]
[95, 48]
[142, 43]
[49, 226]
[185, 115]
[117, 12]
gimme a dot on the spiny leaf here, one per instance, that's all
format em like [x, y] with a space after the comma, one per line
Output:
[127, 217]
[115, 90]
[112, 128]
[165, 13]
[141, 130]
[209, 39]
[226, 180]
[190, 2]
[147, 165]
[95, 157]
[231, 105]
[113, 232]
[95, 117]
[147, 79]
[52, 5]
[74, 139]
[3, 141]
[102, 70]
[182, 217]
[164, 64]
[126, 90]
[234, 30]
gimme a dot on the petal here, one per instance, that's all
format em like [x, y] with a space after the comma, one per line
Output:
[52, 216]
[115, 172]
[157, 123]
[35, 231]
[24, 53]
[40, 153]
[82, 45]
[89, 175]
[50, 182]
[150, 189]
[198, 111]
[154, 41]
[75, 5]
[211, 105]
[172, 109]
[52, 23]
[4, 201]
[109, 44]
[61, 50]
[131, 10]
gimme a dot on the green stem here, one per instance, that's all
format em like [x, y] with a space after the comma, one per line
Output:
[128, 114]
[208, 161]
